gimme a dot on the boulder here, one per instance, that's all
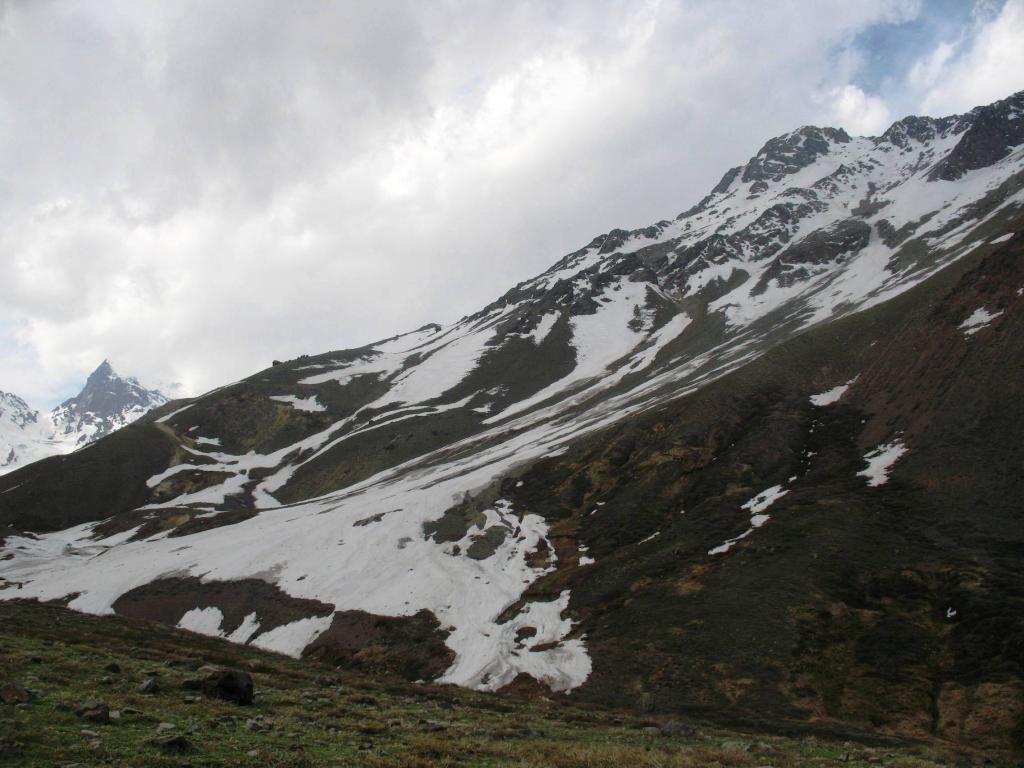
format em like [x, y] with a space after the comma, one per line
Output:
[228, 685]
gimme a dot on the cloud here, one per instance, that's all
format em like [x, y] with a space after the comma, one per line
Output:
[857, 112]
[194, 189]
[984, 66]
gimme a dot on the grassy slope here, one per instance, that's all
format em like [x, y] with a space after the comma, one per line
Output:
[311, 716]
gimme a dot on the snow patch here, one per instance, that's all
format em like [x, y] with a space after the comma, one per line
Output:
[310, 403]
[205, 621]
[765, 499]
[292, 638]
[833, 395]
[880, 461]
[980, 318]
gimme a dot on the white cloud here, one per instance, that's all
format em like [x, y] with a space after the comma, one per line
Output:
[857, 112]
[990, 66]
[194, 189]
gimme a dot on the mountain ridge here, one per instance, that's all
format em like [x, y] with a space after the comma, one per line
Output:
[519, 492]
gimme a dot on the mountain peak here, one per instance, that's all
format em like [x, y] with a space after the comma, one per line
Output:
[107, 402]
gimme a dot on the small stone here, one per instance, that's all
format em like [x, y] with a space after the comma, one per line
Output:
[651, 730]
[252, 725]
[94, 712]
[150, 686]
[252, 752]
[115, 715]
[166, 727]
[89, 734]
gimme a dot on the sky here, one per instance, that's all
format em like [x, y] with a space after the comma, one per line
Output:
[193, 189]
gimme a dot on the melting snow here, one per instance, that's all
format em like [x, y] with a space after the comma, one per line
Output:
[297, 635]
[979, 319]
[833, 395]
[206, 621]
[543, 328]
[765, 499]
[1002, 238]
[299, 403]
[880, 461]
[755, 506]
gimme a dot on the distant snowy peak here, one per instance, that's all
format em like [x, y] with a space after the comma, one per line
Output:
[107, 402]
[24, 433]
[14, 410]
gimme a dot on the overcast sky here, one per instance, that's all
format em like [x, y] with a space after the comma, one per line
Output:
[195, 188]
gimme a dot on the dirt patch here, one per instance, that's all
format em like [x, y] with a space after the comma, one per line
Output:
[410, 646]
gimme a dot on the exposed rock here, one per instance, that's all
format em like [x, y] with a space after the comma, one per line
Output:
[149, 686]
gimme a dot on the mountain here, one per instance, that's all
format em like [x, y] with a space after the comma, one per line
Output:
[760, 460]
[24, 435]
[106, 403]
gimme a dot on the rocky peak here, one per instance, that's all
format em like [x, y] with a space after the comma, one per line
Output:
[790, 152]
[16, 411]
[107, 402]
[989, 134]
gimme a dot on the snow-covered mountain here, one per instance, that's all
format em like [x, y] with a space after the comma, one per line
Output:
[501, 495]
[107, 402]
[25, 435]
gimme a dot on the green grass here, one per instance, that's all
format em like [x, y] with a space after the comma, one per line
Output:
[309, 714]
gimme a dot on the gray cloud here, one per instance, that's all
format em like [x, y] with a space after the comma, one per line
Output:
[195, 188]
